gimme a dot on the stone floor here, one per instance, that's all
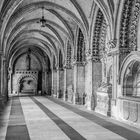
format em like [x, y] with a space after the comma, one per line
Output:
[42, 118]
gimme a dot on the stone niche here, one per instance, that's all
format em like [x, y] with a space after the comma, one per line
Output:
[102, 103]
[27, 81]
[103, 100]
[27, 76]
[130, 110]
[70, 93]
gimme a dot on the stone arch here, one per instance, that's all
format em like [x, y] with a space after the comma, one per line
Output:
[42, 47]
[98, 35]
[25, 76]
[127, 69]
[80, 52]
[128, 29]
[68, 55]
[60, 60]
[83, 24]
[110, 75]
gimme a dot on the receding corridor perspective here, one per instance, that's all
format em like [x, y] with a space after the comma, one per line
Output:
[42, 118]
[70, 69]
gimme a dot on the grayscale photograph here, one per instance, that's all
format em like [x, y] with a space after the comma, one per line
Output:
[69, 70]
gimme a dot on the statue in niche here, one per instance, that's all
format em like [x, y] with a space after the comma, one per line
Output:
[28, 60]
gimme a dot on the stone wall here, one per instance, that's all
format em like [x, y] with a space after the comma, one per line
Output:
[61, 83]
[20, 64]
[55, 82]
[129, 110]
[69, 85]
[80, 80]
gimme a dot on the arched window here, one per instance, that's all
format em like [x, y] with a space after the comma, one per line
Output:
[97, 33]
[60, 60]
[131, 81]
[54, 63]
[80, 47]
[69, 52]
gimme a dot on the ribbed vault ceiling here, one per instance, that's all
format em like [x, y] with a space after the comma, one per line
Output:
[21, 27]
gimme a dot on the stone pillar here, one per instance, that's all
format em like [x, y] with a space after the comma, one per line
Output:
[46, 82]
[1, 76]
[60, 82]
[115, 68]
[65, 84]
[93, 72]
[52, 90]
[43, 82]
[1, 84]
[10, 81]
[74, 82]
[54, 82]
[88, 83]
[68, 82]
[79, 82]
[4, 80]
[97, 79]
[114, 53]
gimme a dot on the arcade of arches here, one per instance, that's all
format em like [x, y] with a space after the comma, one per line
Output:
[86, 52]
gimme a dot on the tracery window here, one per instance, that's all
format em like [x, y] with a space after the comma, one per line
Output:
[80, 47]
[69, 53]
[54, 65]
[96, 36]
[131, 82]
[60, 60]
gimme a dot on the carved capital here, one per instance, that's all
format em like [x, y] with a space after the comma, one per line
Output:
[66, 66]
[59, 69]
[79, 63]
[88, 52]
[95, 59]
[112, 43]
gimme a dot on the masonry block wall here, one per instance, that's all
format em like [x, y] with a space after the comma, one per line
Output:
[80, 81]
[20, 65]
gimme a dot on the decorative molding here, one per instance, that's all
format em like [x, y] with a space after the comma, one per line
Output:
[88, 52]
[112, 43]
[125, 24]
[80, 47]
[102, 41]
[134, 24]
[1, 52]
[69, 55]
[97, 31]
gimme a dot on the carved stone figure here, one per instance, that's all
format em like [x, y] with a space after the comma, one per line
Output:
[28, 60]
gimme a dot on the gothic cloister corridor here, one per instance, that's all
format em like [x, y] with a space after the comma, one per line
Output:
[70, 69]
[45, 118]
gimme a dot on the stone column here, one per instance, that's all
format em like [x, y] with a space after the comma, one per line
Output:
[60, 82]
[46, 82]
[58, 88]
[65, 84]
[54, 82]
[52, 88]
[1, 84]
[43, 82]
[114, 53]
[68, 81]
[74, 82]
[79, 81]
[4, 80]
[10, 81]
[115, 67]
[88, 83]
